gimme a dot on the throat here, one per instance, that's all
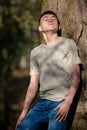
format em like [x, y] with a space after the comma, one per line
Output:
[51, 39]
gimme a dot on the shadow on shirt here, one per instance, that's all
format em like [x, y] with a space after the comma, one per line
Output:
[72, 111]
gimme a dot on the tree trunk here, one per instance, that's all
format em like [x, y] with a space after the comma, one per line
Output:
[73, 19]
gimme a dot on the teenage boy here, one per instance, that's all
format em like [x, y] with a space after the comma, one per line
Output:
[55, 76]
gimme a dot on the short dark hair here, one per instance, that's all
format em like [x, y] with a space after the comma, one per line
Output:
[49, 12]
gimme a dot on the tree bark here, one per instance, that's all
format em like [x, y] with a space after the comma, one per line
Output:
[73, 19]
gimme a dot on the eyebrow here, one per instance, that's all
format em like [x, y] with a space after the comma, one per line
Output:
[45, 16]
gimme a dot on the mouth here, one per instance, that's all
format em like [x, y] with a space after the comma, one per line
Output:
[51, 24]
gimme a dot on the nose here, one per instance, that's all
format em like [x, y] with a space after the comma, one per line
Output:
[50, 20]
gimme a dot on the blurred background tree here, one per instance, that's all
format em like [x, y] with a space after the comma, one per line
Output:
[18, 35]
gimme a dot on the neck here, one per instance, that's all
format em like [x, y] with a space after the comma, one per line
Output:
[50, 37]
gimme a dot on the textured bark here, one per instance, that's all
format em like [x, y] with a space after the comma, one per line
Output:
[73, 19]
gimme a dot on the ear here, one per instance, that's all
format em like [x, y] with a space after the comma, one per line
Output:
[59, 27]
[39, 28]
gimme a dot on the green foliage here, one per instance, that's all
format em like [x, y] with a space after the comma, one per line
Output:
[11, 36]
[16, 26]
[18, 32]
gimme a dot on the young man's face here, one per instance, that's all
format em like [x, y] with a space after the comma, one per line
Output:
[48, 22]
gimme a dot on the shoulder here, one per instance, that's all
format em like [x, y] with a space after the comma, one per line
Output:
[69, 42]
[36, 51]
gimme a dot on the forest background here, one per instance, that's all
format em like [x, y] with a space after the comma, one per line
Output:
[19, 34]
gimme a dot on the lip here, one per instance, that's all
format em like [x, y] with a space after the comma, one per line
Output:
[50, 24]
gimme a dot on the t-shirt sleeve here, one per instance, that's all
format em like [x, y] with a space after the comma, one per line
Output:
[34, 67]
[73, 53]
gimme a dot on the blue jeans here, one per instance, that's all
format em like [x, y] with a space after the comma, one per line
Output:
[42, 117]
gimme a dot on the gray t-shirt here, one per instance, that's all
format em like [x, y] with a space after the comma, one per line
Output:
[52, 62]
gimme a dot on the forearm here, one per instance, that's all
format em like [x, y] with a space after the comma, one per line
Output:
[74, 85]
[31, 93]
[73, 89]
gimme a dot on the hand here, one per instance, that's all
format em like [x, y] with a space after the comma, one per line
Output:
[21, 117]
[63, 110]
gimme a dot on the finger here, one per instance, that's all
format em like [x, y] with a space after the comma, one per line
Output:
[16, 126]
[58, 113]
[18, 123]
[60, 117]
[65, 116]
[57, 108]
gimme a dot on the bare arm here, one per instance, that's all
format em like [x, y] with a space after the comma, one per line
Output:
[75, 71]
[30, 95]
[65, 106]
[31, 92]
